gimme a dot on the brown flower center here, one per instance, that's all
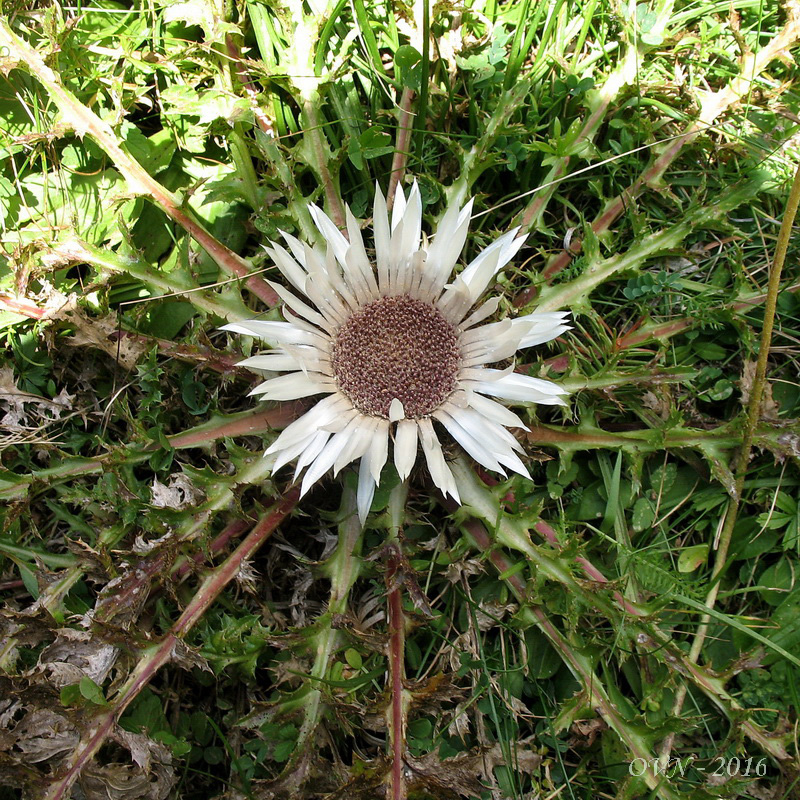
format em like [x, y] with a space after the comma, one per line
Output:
[396, 347]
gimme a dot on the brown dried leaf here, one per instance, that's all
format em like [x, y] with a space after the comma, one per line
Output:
[126, 782]
[25, 411]
[102, 333]
[450, 779]
[770, 410]
[41, 735]
[491, 612]
[75, 654]
[178, 493]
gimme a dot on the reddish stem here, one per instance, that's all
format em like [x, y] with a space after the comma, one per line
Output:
[278, 417]
[404, 130]
[396, 669]
[589, 569]
[147, 667]
[21, 305]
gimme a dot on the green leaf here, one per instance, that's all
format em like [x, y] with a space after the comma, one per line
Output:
[353, 658]
[283, 750]
[406, 56]
[154, 152]
[91, 691]
[70, 695]
[691, 558]
[784, 625]
[777, 581]
[644, 513]
[710, 351]
[543, 660]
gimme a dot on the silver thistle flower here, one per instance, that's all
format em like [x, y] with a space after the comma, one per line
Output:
[396, 348]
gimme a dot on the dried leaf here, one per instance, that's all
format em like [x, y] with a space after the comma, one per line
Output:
[178, 493]
[126, 781]
[42, 735]
[76, 654]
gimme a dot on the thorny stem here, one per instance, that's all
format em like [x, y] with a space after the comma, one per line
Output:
[159, 654]
[397, 639]
[342, 568]
[664, 330]
[228, 306]
[83, 120]
[578, 663]
[623, 74]
[712, 107]
[513, 533]
[599, 269]
[318, 148]
[245, 172]
[242, 424]
[751, 422]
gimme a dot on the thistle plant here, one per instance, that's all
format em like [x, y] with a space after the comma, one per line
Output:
[376, 579]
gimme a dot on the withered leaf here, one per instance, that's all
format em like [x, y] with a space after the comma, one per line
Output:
[75, 654]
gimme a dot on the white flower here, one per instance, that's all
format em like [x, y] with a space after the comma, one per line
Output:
[396, 349]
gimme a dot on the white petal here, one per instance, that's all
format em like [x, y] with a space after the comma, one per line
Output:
[399, 205]
[495, 411]
[357, 256]
[274, 331]
[341, 421]
[304, 310]
[359, 443]
[325, 460]
[333, 236]
[489, 343]
[451, 233]
[482, 454]
[542, 326]
[483, 311]
[412, 223]
[382, 237]
[476, 277]
[289, 268]
[323, 413]
[313, 447]
[292, 387]
[506, 246]
[479, 273]
[491, 435]
[405, 447]
[331, 296]
[320, 339]
[366, 489]
[325, 279]
[405, 238]
[455, 301]
[522, 388]
[440, 472]
[299, 448]
[411, 276]
[468, 376]
[296, 246]
[396, 410]
[273, 361]
[379, 448]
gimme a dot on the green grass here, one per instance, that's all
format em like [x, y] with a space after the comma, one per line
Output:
[208, 634]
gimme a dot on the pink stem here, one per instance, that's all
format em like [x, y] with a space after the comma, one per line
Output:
[21, 305]
[153, 660]
[397, 671]
[400, 158]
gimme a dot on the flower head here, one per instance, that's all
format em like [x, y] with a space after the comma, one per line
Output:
[395, 349]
